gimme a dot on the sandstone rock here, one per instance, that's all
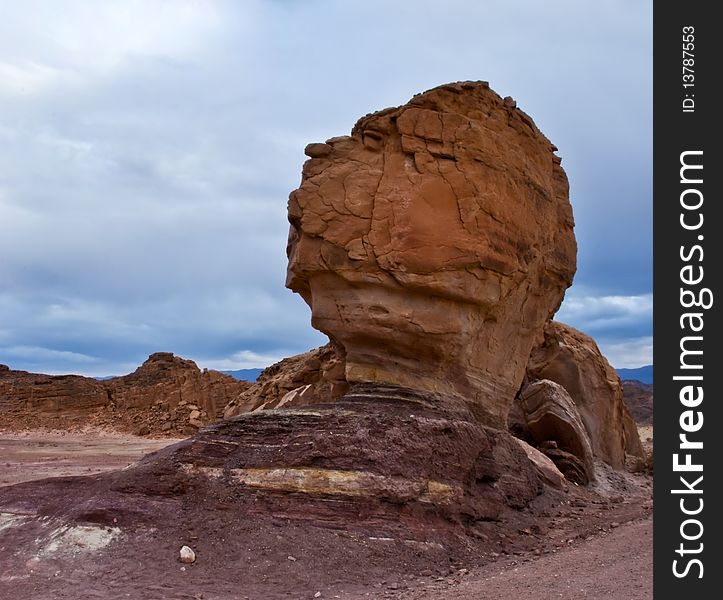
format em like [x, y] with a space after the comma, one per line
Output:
[547, 469]
[176, 381]
[552, 415]
[23, 393]
[314, 377]
[433, 243]
[573, 360]
[383, 453]
[165, 388]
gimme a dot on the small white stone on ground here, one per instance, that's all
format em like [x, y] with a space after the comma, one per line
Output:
[187, 555]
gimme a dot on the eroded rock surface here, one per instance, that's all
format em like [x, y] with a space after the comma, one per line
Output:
[572, 359]
[433, 243]
[313, 377]
[33, 393]
[551, 415]
[165, 395]
[169, 379]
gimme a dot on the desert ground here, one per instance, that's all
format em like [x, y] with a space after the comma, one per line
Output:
[30, 455]
[583, 547]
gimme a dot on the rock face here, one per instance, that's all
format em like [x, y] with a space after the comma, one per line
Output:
[381, 452]
[433, 243]
[551, 415]
[572, 359]
[166, 394]
[547, 469]
[313, 377]
[34, 393]
[638, 397]
[169, 379]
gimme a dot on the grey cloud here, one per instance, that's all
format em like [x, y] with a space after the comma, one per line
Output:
[144, 176]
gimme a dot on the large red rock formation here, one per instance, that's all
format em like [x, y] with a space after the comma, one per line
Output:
[434, 242]
[432, 245]
[572, 359]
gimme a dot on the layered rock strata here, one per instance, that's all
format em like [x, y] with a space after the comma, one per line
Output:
[23, 392]
[383, 460]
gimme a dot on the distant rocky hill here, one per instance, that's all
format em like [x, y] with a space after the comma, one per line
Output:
[165, 395]
[643, 374]
[638, 397]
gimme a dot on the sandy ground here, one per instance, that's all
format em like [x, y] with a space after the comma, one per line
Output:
[39, 454]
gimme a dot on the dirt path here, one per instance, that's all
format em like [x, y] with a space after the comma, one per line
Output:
[37, 455]
[609, 566]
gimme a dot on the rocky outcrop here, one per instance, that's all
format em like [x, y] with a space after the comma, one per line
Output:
[551, 416]
[433, 243]
[33, 393]
[572, 359]
[171, 380]
[166, 394]
[384, 461]
[313, 377]
[638, 397]
[547, 469]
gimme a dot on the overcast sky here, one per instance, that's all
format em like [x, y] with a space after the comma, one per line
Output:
[147, 150]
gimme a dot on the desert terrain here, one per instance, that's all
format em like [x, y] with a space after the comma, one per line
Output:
[583, 547]
[451, 440]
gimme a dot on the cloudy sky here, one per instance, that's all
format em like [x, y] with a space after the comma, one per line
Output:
[147, 149]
